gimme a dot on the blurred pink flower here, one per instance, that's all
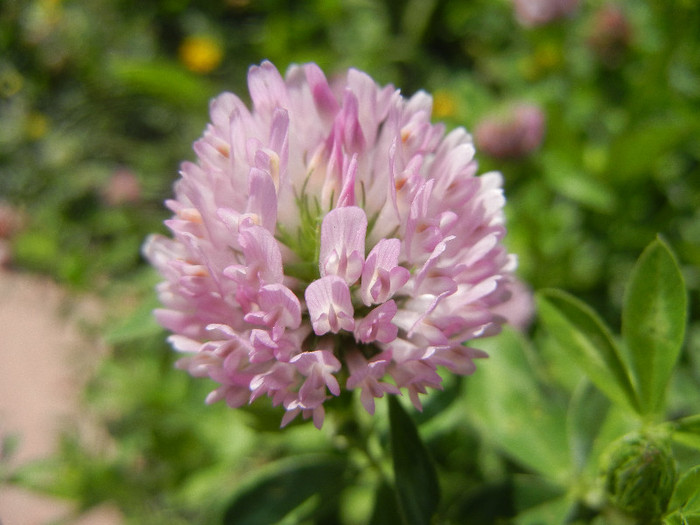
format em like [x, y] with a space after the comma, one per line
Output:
[123, 187]
[531, 13]
[12, 221]
[5, 253]
[610, 34]
[330, 238]
[513, 134]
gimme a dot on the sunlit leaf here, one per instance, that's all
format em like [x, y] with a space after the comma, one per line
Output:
[584, 337]
[414, 472]
[280, 488]
[653, 322]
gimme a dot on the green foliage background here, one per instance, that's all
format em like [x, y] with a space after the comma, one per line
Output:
[91, 87]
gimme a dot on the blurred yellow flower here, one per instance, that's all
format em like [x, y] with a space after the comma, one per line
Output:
[200, 54]
[11, 82]
[546, 58]
[36, 126]
[444, 104]
[549, 56]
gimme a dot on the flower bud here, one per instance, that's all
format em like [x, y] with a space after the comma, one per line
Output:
[640, 476]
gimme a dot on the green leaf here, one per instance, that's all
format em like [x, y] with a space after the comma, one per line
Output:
[634, 152]
[512, 411]
[679, 519]
[588, 342]
[565, 177]
[532, 491]
[161, 79]
[653, 323]
[386, 510]
[553, 511]
[689, 424]
[140, 324]
[279, 489]
[415, 476]
[585, 418]
[36, 250]
[685, 501]
[687, 431]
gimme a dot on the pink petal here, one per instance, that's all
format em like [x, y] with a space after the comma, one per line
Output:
[458, 359]
[374, 103]
[262, 200]
[348, 121]
[184, 344]
[343, 243]
[347, 192]
[377, 325]
[321, 91]
[263, 260]
[279, 309]
[330, 306]
[274, 158]
[319, 414]
[263, 346]
[289, 416]
[366, 374]
[278, 378]
[267, 88]
[381, 275]
[319, 367]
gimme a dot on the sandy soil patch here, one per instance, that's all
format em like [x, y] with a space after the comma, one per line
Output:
[43, 359]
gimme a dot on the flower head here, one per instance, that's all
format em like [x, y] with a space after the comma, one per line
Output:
[331, 237]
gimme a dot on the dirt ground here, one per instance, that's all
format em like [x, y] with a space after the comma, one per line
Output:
[43, 357]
